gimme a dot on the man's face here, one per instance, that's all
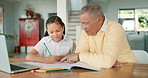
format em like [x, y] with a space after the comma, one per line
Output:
[89, 23]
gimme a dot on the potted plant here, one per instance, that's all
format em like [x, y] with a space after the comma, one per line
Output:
[9, 37]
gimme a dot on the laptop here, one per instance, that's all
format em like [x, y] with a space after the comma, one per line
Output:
[13, 67]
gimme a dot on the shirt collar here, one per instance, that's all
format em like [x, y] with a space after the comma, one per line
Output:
[49, 39]
[64, 39]
[105, 25]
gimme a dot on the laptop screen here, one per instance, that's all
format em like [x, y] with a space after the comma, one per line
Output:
[4, 59]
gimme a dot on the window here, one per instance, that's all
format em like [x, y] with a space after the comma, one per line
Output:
[133, 19]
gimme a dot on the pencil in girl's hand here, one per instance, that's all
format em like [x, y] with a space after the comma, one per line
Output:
[47, 48]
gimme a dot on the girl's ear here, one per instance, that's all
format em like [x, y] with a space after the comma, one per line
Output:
[63, 28]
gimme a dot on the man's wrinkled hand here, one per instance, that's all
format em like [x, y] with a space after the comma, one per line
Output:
[117, 64]
[71, 58]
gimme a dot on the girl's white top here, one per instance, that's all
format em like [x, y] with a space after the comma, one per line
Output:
[64, 47]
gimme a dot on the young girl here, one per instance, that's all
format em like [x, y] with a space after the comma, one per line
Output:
[54, 45]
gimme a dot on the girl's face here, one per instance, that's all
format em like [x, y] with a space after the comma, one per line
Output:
[55, 31]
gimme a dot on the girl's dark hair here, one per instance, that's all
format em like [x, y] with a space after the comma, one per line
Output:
[54, 19]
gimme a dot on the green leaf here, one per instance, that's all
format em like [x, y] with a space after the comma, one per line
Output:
[8, 36]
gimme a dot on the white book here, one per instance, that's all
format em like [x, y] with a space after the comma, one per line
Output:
[65, 65]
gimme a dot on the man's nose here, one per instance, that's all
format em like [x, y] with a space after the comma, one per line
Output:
[84, 27]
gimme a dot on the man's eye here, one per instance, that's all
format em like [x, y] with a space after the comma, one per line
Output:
[85, 23]
[50, 32]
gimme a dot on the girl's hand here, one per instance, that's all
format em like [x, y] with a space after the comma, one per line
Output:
[52, 59]
[49, 59]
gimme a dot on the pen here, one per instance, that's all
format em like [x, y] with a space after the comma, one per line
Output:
[39, 71]
[47, 48]
[44, 71]
[51, 68]
[62, 70]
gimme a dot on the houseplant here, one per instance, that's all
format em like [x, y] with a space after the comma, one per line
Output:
[9, 37]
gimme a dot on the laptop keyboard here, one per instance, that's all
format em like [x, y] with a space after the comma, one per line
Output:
[14, 67]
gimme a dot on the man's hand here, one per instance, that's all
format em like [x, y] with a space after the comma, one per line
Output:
[117, 64]
[71, 58]
[58, 58]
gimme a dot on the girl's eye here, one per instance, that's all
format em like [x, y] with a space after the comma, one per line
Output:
[58, 30]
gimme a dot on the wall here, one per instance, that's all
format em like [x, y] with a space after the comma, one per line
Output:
[38, 6]
[77, 4]
[135, 41]
[111, 7]
[9, 26]
[62, 12]
[14, 10]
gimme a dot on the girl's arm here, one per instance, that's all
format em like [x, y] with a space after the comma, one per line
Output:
[33, 55]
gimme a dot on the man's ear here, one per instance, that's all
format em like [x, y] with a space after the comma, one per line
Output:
[98, 18]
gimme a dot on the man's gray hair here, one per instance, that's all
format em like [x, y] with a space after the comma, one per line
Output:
[91, 8]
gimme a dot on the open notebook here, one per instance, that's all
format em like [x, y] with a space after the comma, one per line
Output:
[13, 67]
[65, 65]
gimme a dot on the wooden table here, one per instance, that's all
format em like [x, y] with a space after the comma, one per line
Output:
[126, 71]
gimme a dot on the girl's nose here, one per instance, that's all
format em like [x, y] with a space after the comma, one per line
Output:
[54, 33]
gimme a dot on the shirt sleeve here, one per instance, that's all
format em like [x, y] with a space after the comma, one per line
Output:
[40, 46]
[82, 45]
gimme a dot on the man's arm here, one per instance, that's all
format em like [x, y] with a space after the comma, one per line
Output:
[107, 57]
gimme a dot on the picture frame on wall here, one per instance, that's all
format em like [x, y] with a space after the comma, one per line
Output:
[1, 19]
